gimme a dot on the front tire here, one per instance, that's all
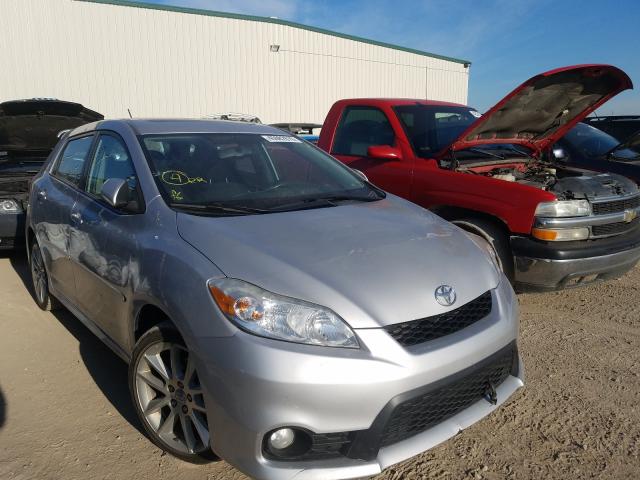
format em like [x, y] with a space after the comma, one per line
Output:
[168, 396]
[40, 280]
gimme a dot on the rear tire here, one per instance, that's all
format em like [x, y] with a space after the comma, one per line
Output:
[168, 397]
[40, 281]
[497, 239]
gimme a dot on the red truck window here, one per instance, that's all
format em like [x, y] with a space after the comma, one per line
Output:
[360, 128]
[431, 128]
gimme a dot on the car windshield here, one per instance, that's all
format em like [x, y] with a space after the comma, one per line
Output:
[431, 128]
[592, 142]
[232, 174]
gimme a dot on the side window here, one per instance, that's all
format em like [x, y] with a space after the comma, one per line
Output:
[112, 160]
[73, 158]
[360, 128]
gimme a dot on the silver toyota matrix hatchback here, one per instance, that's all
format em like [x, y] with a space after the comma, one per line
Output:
[274, 307]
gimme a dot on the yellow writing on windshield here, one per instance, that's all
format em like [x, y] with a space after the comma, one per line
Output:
[178, 178]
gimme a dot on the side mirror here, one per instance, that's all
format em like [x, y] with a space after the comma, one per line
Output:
[559, 153]
[360, 174]
[384, 152]
[115, 192]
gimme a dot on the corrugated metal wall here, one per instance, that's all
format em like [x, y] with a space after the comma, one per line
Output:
[162, 63]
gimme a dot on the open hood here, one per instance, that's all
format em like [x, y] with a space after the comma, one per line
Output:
[33, 125]
[545, 107]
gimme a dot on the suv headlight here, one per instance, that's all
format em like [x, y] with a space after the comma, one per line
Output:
[9, 206]
[274, 316]
[564, 208]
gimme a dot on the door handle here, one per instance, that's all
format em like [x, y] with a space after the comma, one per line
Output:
[42, 195]
[76, 217]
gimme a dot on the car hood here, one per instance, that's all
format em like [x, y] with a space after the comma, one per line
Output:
[32, 126]
[545, 107]
[373, 264]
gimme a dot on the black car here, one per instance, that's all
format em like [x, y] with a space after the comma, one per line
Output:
[590, 148]
[618, 126]
[28, 132]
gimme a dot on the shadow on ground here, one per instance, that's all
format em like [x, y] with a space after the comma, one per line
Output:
[107, 369]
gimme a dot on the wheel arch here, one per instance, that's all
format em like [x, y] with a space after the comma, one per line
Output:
[148, 316]
[456, 215]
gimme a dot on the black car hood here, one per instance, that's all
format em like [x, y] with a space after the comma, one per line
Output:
[33, 125]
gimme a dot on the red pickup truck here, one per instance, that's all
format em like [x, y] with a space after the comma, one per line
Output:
[551, 226]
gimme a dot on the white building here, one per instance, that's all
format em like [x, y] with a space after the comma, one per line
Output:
[115, 55]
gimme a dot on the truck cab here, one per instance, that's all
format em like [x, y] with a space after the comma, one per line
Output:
[551, 226]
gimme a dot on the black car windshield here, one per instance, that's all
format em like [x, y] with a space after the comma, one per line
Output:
[231, 174]
[593, 142]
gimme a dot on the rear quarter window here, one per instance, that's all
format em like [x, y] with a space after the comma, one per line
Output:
[72, 160]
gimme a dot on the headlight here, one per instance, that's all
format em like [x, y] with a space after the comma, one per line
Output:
[9, 206]
[564, 208]
[274, 316]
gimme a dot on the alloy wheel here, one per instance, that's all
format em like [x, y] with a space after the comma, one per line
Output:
[170, 397]
[39, 276]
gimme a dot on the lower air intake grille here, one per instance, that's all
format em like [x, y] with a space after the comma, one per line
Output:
[423, 412]
[425, 329]
[614, 228]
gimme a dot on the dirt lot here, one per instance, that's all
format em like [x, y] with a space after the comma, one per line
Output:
[65, 411]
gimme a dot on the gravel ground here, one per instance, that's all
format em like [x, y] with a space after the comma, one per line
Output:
[65, 411]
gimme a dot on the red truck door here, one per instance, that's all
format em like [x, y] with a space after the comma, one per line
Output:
[361, 127]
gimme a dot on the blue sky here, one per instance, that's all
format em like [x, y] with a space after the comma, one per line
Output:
[507, 41]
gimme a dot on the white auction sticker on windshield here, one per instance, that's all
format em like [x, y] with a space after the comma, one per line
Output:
[281, 139]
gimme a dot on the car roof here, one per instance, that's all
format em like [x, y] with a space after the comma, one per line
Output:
[167, 126]
[398, 101]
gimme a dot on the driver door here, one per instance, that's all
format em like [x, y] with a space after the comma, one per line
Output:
[362, 127]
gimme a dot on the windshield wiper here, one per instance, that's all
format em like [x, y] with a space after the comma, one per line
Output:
[217, 208]
[321, 202]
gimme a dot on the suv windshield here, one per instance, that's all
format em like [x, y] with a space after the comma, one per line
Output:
[235, 174]
[593, 142]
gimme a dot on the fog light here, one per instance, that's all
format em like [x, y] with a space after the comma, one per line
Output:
[281, 439]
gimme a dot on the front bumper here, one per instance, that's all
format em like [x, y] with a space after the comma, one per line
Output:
[541, 266]
[255, 385]
[12, 230]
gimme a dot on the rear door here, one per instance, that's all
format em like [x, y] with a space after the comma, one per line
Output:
[362, 127]
[105, 249]
[56, 195]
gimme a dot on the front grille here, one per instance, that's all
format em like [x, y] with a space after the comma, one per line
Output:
[616, 206]
[423, 412]
[423, 330]
[614, 228]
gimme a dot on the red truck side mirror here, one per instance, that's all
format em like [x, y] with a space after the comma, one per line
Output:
[384, 152]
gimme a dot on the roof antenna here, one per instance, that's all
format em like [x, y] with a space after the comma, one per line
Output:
[130, 116]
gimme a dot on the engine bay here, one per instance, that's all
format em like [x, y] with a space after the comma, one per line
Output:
[565, 182]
